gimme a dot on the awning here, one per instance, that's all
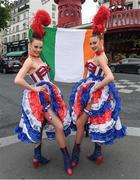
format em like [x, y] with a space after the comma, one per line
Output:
[2, 54]
[15, 53]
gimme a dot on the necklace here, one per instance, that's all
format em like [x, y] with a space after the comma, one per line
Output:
[99, 52]
[33, 55]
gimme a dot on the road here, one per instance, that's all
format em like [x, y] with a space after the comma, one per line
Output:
[122, 160]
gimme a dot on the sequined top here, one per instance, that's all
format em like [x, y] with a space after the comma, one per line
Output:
[94, 69]
[40, 74]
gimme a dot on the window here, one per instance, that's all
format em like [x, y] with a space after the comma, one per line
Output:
[54, 23]
[18, 18]
[53, 7]
[129, 6]
[72, 13]
[124, 61]
[16, 10]
[27, 14]
[13, 29]
[14, 20]
[66, 12]
[13, 37]
[79, 14]
[53, 15]
[5, 40]
[24, 25]
[17, 28]
[134, 60]
[61, 13]
[17, 37]
[10, 38]
[24, 15]
[24, 35]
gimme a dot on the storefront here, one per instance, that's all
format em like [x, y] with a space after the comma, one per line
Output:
[17, 46]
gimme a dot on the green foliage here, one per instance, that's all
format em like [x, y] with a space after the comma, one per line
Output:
[4, 13]
[137, 43]
[119, 57]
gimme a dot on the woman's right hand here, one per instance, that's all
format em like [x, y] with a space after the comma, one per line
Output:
[39, 88]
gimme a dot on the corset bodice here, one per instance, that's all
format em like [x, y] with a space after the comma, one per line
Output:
[40, 74]
[94, 69]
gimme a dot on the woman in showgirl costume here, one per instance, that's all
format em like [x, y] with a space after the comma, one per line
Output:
[42, 102]
[95, 99]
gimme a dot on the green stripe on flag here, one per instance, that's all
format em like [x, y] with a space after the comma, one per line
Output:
[48, 51]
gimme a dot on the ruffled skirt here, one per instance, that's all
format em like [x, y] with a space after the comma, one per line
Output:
[33, 106]
[103, 121]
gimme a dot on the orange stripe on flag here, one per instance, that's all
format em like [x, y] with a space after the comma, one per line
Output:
[88, 52]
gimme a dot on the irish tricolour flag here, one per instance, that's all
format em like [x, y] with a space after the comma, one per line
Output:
[66, 51]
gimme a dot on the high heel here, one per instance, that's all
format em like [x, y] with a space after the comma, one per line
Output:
[38, 158]
[67, 165]
[75, 155]
[99, 160]
[37, 162]
[96, 156]
[67, 161]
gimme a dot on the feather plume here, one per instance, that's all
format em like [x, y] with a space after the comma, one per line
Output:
[100, 18]
[41, 18]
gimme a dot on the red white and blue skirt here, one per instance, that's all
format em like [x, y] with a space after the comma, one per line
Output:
[103, 119]
[33, 106]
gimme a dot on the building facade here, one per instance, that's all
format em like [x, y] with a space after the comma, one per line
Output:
[1, 42]
[16, 34]
[123, 35]
[129, 4]
[48, 5]
[123, 29]
[69, 12]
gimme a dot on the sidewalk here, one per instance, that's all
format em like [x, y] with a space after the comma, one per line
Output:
[122, 161]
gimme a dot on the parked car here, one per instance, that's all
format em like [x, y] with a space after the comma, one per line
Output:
[128, 65]
[9, 65]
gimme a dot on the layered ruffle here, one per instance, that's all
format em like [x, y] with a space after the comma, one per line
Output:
[33, 105]
[104, 122]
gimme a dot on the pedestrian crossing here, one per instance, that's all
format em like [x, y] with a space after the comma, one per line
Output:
[127, 86]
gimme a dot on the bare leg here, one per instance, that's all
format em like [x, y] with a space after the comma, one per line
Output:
[80, 123]
[55, 121]
[60, 137]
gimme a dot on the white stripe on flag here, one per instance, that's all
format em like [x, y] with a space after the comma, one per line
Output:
[69, 56]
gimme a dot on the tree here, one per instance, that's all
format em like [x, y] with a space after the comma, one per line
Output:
[4, 13]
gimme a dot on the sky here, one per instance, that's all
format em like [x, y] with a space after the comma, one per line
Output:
[89, 9]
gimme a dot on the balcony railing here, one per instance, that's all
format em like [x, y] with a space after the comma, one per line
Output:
[124, 19]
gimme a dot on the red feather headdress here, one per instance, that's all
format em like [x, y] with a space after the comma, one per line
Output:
[41, 18]
[99, 19]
